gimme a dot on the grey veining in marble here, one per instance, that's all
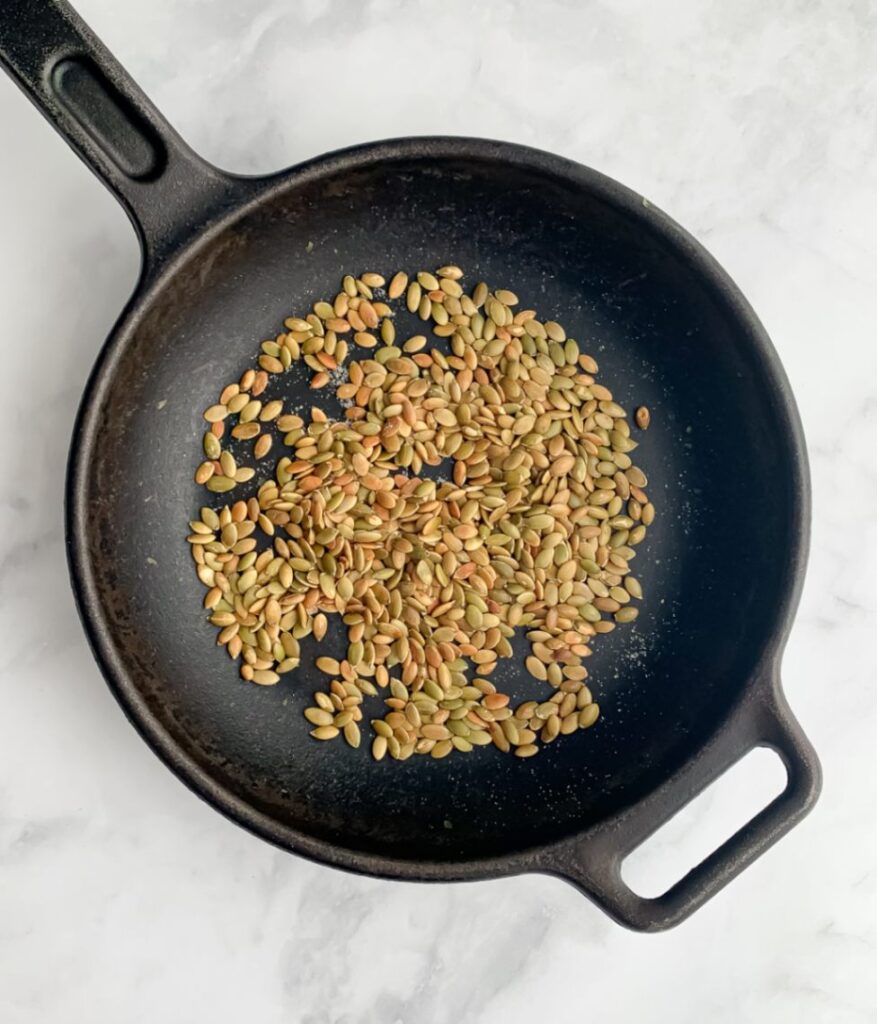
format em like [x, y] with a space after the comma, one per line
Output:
[122, 897]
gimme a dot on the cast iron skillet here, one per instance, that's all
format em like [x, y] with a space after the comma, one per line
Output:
[686, 691]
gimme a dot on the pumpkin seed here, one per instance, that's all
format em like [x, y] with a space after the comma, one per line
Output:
[325, 732]
[397, 286]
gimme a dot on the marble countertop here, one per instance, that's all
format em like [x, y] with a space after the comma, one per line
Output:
[122, 896]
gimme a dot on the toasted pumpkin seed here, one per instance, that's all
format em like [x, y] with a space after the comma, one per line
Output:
[536, 530]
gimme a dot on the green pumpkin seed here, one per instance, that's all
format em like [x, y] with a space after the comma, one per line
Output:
[536, 530]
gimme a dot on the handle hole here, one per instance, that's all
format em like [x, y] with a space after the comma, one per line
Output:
[713, 816]
[110, 119]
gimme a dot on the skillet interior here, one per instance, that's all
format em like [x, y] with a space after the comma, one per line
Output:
[719, 456]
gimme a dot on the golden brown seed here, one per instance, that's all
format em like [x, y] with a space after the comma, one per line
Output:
[427, 281]
[325, 732]
[536, 668]
[245, 431]
[318, 716]
[588, 716]
[352, 734]
[551, 729]
[227, 464]
[228, 393]
[216, 413]
[643, 417]
[397, 285]
[569, 723]
[271, 410]
[271, 364]
[435, 732]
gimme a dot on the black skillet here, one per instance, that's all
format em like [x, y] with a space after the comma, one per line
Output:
[686, 691]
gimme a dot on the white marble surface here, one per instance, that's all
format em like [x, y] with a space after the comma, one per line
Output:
[122, 897]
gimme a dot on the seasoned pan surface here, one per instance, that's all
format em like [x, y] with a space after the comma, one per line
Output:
[716, 567]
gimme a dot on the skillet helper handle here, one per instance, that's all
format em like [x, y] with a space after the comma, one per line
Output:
[594, 863]
[90, 99]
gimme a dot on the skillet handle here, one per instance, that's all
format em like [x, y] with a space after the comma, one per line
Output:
[86, 94]
[593, 862]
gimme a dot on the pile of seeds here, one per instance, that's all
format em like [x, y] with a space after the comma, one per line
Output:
[535, 528]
